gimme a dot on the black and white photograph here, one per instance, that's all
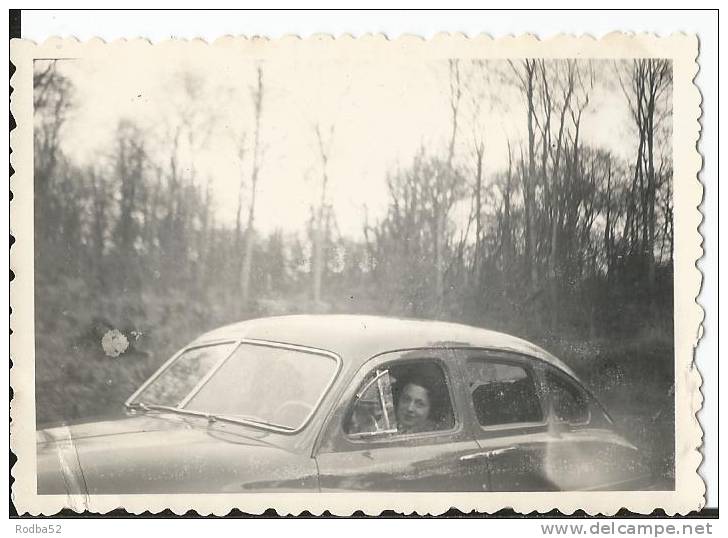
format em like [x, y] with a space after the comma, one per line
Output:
[351, 266]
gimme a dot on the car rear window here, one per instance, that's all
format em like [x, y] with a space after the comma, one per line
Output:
[568, 403]
[503, 393]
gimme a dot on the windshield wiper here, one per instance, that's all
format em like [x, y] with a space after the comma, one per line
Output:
[241, 419]
[250, 419]
[156, 407]
[136, 405]
[211, 417]
[151, 407]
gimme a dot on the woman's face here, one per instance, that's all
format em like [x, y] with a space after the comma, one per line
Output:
[413, 407]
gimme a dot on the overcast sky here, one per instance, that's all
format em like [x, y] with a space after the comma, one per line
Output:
[382, 112]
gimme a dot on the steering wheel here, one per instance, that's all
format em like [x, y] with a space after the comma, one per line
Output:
[294, 403]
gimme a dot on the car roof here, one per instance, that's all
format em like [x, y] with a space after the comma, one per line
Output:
[356, 338]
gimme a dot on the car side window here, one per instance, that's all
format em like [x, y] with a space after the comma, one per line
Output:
[401, 398]
[503, 392]
[568, 402]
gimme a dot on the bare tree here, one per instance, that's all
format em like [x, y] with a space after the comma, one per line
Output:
[478, 85]
[241, 192]
[52, 100]
[130, 164]
[647, 91]
[456, 92]
[526, 76]
[321, 218]
[257, 96]
[99, 222]
[442, 194]
[479, 150]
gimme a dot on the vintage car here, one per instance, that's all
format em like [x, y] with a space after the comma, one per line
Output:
[345, 403]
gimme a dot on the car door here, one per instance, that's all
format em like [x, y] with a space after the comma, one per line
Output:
[503, 392]
[585, 452]
[364, 448]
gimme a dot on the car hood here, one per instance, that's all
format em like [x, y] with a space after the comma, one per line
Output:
[109, 426]
[167, 453]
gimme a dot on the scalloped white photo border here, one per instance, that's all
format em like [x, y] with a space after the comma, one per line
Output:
[681, 49]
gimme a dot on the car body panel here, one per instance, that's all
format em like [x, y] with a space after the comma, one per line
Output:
[592, 459]
[172, 454]
[416, 467]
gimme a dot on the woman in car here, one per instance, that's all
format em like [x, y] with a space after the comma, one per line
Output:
[414, 407]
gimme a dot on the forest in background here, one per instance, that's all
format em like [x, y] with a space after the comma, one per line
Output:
[568, 245]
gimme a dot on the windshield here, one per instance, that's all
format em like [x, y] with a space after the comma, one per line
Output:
[183, 375]
[277, 386]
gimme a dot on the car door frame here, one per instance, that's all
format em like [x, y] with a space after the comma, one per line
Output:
[333, 440]
[502, 441]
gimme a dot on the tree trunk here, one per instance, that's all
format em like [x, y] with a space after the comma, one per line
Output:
[318, 254]
[480, 150]
[528, 195]
[250, 231]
